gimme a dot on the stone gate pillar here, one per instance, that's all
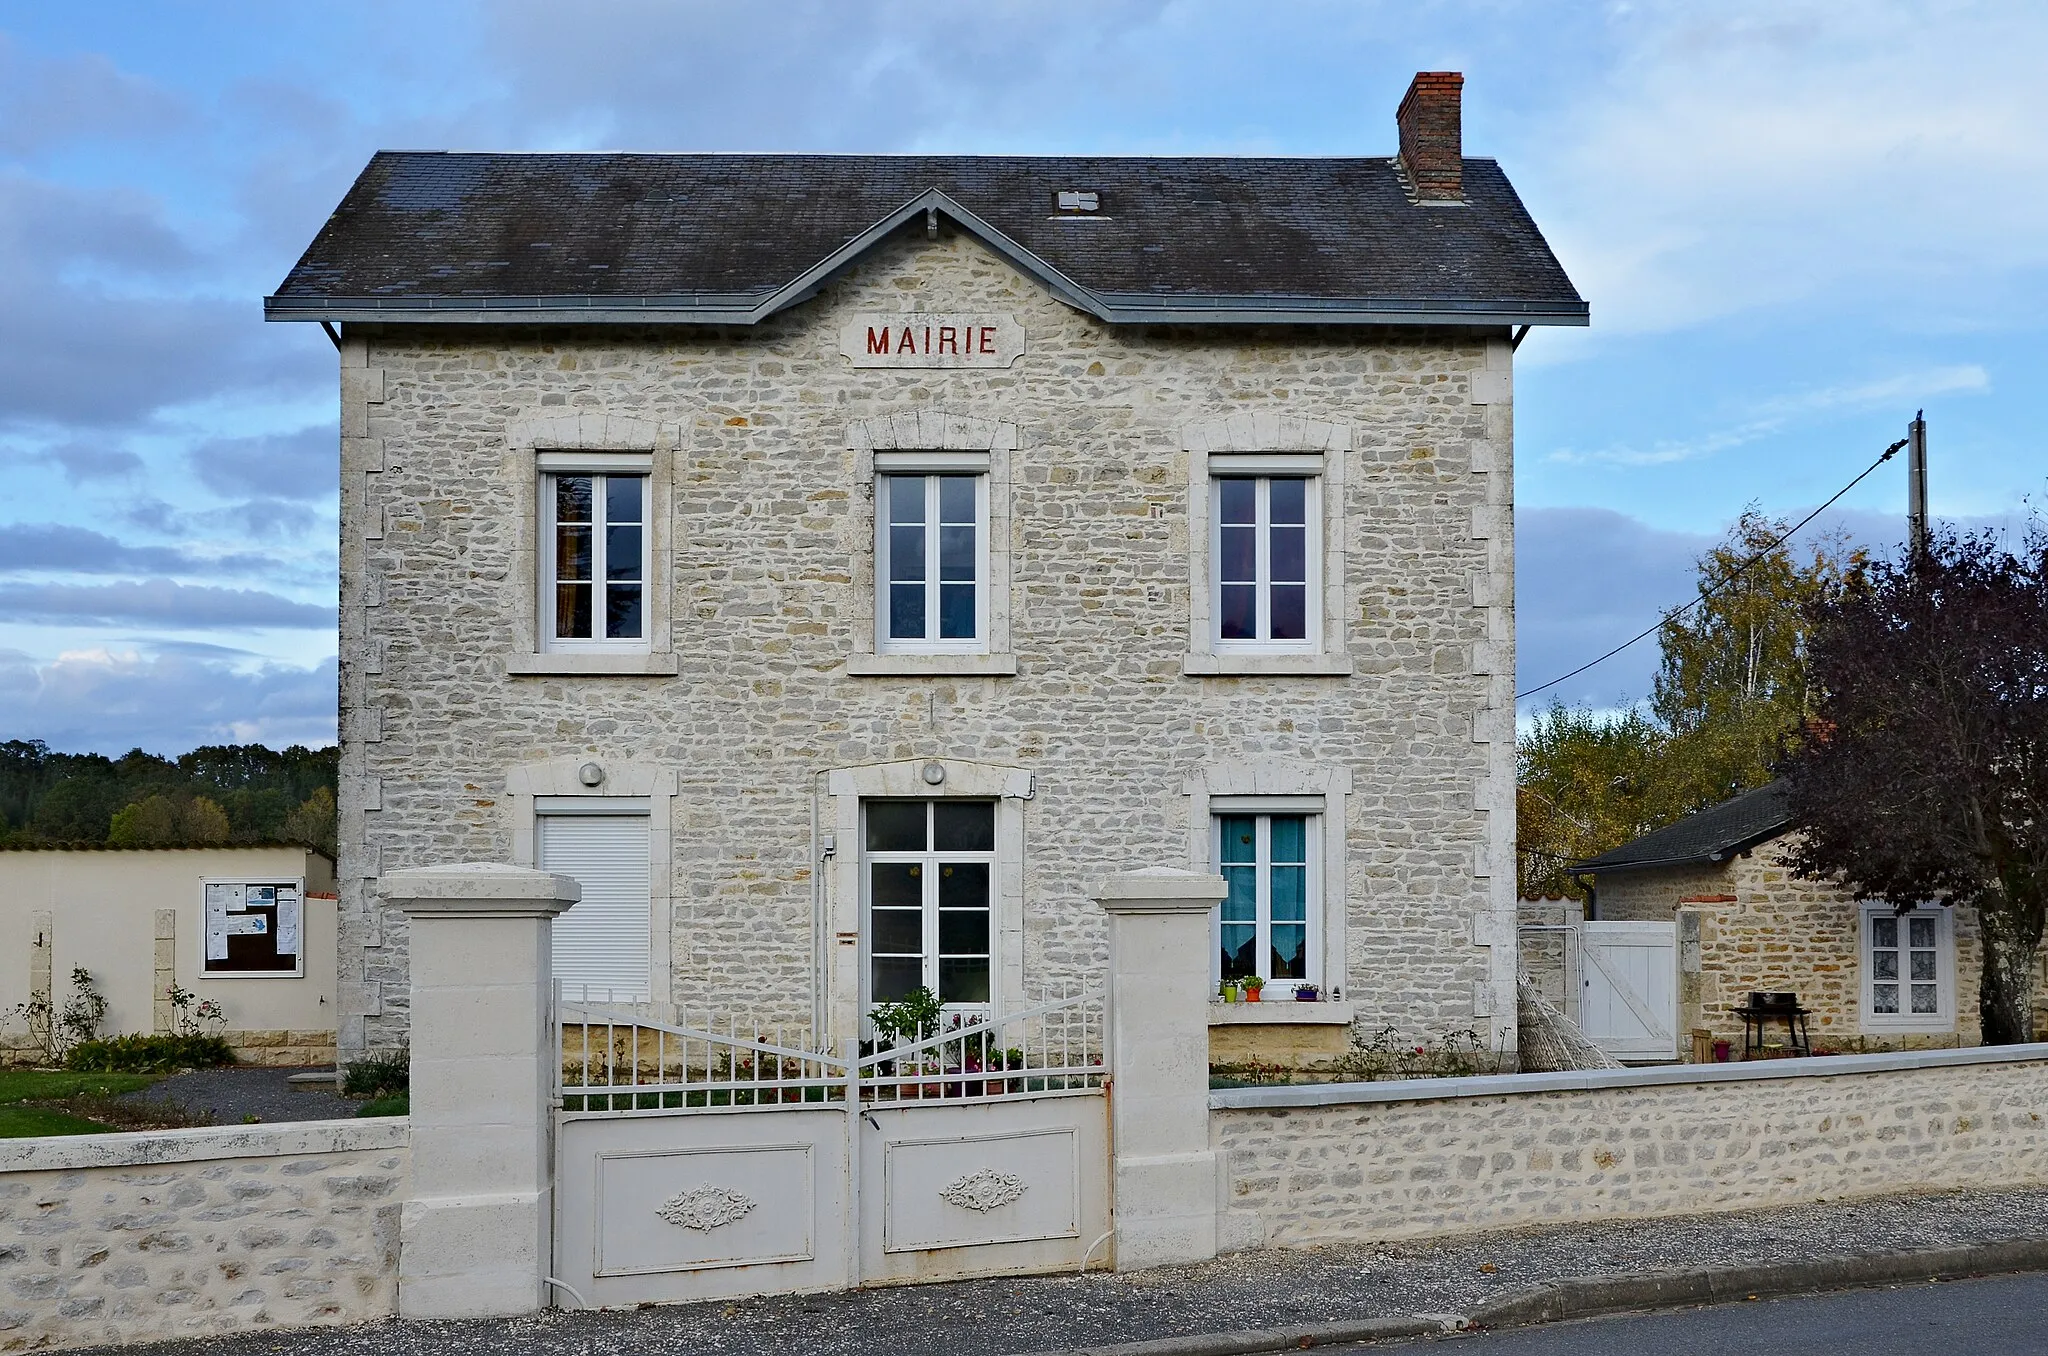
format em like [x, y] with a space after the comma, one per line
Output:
[474, 1237]
[1165, 1172]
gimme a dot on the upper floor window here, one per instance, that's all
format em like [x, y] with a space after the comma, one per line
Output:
[931, 564]
[1264, 536]
[595, 560]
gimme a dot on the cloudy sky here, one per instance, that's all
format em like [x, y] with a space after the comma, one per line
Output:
[1796, 223]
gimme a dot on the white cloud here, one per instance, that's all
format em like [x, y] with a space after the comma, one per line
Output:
[109, 701]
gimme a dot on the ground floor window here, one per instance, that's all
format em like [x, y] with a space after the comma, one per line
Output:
[602, 946]
[1909, 965]
[1266, 925]
[929, 871]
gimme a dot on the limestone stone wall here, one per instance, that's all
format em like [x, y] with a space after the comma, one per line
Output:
[1303, 1166]
[769, 573]
[184, 1233]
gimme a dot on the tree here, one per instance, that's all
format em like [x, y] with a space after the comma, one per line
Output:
[1731, 686]
[1584, 783]
[1924, 776]
[168, 821]
[313, 822]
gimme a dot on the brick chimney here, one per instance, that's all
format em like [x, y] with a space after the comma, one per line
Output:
[1432, 140]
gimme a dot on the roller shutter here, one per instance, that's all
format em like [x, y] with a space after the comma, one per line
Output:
[602, 944]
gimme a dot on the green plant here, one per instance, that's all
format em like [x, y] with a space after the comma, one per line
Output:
[148, 1054]
[192, 1015]
[379, 1076]
[395, 1104]
[55, 1030]
[913, 1018]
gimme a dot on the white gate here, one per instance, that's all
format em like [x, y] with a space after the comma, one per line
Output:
[1628, 998]
[693, 1164]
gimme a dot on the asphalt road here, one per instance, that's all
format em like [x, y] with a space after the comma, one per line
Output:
[1997, 1316]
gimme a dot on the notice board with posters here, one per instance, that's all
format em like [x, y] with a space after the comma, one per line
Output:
[253, 928]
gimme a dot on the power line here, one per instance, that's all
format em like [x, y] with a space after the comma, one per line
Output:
[1733, 575]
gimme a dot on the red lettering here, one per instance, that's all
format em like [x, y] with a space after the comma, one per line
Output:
[949, 340]
[878, 343]
[908, 343]
[927, 340]
[988, 339]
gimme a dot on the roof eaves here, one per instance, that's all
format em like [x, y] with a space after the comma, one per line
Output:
[1598, 865]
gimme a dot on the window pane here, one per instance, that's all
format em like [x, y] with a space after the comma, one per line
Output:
[1241, 904]
[1288, 502]
[572, 553]
[956, 499]
[956, 612]
[1289, 555]
[572, 611]
[906, 612]
[893, 978]
[1238, 837]
[622, 552]
[1290, 951]
[964, 826]
[956, 553]
[1884, 998]
[1884, 931]
[1925, 999]
[1239, 943]
[896, 932]
[1923, 965]
[622, 612]
[1290, 894]
[896, 825]
[1884, 964]
[963, 980]
[1237, 500]
[963, 885]
[572, 499]
[1239, 616]
[963, 932]
[1289, 607]
[1236, 555]
[906, 499]
[906, 554]
[1290, 838]
[1920, 931]
[895, 885]
[622, 498]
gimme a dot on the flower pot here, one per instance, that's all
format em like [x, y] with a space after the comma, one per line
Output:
[1306, 996]
[1252, 995]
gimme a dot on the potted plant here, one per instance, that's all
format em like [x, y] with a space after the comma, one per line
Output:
[1307, 993]
[1229, 990]
[1253, 984]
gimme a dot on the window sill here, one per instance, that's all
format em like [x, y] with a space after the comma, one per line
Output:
[589, 663]
[931, 665]
[1205, 664]
[1290, 1011]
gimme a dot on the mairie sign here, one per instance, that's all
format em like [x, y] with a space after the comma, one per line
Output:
[932, 339]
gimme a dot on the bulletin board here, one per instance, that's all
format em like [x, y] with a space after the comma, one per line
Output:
[252, 928]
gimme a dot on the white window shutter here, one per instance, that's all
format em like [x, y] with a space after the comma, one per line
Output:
[602, 944]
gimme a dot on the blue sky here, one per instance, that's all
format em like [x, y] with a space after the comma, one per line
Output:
[1796, 223]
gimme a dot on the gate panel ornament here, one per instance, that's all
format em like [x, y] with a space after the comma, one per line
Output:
[984, 1189]
[705, 1208]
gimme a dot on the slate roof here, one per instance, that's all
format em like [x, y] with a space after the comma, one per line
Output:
[731, 239]
[1712, 835]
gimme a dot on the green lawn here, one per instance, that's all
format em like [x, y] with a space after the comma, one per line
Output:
[50, 1085]
[21, 1122]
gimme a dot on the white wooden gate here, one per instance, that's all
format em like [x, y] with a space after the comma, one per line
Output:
[695, 1164]
[1628, 999]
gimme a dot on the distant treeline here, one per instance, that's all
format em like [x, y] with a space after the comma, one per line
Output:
[219, 794]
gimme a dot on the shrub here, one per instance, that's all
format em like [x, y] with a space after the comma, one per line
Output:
[148, 1054]
[379, 1076]
[397, 1104]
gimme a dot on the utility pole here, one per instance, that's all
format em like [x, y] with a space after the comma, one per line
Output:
[1916, 482]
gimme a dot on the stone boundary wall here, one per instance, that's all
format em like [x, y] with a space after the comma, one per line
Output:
[1300, 1166]
[186, 1233]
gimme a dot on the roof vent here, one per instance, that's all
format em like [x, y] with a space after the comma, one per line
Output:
[1078, 200]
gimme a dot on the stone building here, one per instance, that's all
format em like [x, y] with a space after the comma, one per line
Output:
[841, 563]
[1872, 979]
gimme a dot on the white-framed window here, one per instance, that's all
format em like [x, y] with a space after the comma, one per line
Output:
[603, 946]
[1265, 538]
[1908, 962]
[1270, 921]
[928, 877]
[594, 560]
[931, 563]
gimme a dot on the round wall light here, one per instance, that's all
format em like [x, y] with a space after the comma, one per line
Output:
[590, 774]
[933, 773]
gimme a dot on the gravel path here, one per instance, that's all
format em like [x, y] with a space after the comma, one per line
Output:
[234, 1095]
[1248, 1290]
